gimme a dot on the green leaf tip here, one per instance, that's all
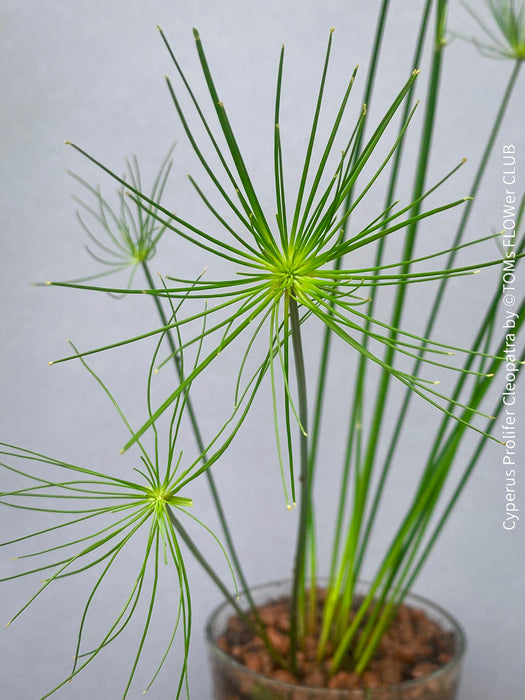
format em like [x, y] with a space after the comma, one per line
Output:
[196, 34]
[332, 30]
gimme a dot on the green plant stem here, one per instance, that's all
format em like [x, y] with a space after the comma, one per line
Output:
[437, 302]
[362, 365]
[257, 629]
[200, 444]
[298, 580]
[364, 472]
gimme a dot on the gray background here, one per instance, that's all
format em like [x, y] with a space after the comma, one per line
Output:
[91, 71]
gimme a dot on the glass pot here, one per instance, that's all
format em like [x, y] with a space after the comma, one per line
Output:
[233, 681]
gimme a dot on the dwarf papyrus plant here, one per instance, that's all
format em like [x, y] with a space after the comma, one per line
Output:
[294, 266]
[130, 235]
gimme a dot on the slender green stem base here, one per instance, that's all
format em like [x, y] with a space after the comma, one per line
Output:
[298, 583]
[257, 629]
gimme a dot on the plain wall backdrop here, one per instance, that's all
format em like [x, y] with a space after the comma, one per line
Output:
[92, 72]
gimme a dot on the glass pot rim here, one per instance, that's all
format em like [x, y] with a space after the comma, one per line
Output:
[413, 600]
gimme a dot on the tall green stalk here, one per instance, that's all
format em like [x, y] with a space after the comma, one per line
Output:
[256, 627]
[298, 580]
[202, 450]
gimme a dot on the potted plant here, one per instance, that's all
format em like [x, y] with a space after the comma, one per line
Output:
[297, 270]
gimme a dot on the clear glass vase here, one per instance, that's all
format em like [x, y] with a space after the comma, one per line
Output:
[233, 681]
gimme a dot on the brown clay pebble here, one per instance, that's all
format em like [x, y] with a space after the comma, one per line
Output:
[256, 643]
[237, 652]
[279, 640]
[283, 622]
[344, 680]
[301, 659]
[222, 643]
[390, 670]
[267, 665]
[271, 614]
[424, 669]
[282, 675]
[315, 678]
[253, 661]
[371, 680]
